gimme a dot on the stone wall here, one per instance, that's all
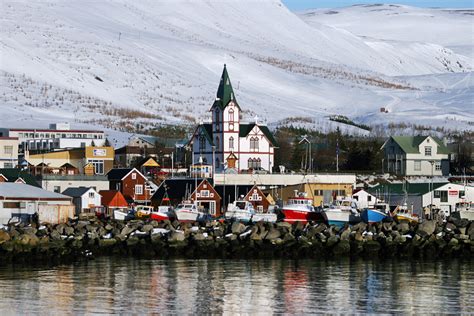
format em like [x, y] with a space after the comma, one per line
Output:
[86, 239]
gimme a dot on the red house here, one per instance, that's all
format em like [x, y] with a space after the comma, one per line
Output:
[132, 184]
[258, 199]
[207, 197]
[113, 200]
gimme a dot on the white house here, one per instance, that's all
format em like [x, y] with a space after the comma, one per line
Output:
[445, 197]
[23, 200]
[8, 152]
[364, 199]
[58, 136]
[85, 199]
[227, 142]
[416, 156]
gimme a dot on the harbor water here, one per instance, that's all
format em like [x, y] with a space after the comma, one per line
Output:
[181, 286]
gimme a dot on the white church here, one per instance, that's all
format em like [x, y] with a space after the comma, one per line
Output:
[228, 144]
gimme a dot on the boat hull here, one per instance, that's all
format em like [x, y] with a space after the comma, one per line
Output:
[464, 214]
[157, 216]
[264, 217]
[186, 216]
[238, 215]
[295, 216]
[372, 216]
[340, 218]
[119, 215]
[406, 218]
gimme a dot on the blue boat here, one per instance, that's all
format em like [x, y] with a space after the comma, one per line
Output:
[372, 215]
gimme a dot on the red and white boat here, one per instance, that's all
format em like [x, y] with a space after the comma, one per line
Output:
[163, 213]
[300, 209]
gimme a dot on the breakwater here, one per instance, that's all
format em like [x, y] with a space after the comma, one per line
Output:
[85, 239]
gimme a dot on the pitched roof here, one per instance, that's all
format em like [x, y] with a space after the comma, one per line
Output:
[206, 131]
[410, 144]
[411, 188]
[12, 174]
[225, 93]
[113, 198]
[118, 173]
[76, 192]
[245, 129]
[25, 191]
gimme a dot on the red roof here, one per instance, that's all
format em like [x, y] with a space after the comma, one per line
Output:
[112, 198]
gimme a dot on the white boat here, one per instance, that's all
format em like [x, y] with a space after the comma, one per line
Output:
[268, 216]
[464, 210]
[120, 215]
[240, 210]
[188, 212]
[341, 212]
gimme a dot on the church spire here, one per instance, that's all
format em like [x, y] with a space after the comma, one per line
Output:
[225, 93]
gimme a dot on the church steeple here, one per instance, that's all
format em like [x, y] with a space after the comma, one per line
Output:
[225, 93]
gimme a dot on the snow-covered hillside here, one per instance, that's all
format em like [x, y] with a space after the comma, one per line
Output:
[120, 64]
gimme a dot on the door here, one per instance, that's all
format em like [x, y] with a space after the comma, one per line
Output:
[327, 197]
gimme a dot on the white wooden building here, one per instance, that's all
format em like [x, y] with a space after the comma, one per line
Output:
[364, 199]
[416, 156]
[85, 199]
[228, 143]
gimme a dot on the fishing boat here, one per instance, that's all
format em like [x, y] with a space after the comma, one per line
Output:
[188, 212]
[341, 212]
[376, 214]
[162, 213]
[240, 210]
[403, 214]
[464, 210]
[300, 209]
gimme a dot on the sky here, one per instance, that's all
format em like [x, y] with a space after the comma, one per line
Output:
[309, 4]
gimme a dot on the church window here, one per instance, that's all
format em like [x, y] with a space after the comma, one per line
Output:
[231, 115]
[253, 143]
[202, 142]
[231, 142]
[217, 142]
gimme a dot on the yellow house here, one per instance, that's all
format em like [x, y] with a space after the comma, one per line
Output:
[100, 158]
[321, 193]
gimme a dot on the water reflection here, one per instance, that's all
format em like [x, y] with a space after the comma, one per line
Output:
[109, 285]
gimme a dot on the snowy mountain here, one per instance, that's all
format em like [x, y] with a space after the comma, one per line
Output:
[122, 64]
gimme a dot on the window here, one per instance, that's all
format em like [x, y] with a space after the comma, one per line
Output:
[8, 165]
[202, 142]
[253, 143]
[57, 189]
[98, 166]
[427, 150]
[8, 149]
[444, 196]
[417, 165]
[204, 193]
[436, 194]
[231, 142]
[318, 192]
[438, 166]
[91, 195]
[231, 115]
[138, 189]
[134, 176]
[369, 198]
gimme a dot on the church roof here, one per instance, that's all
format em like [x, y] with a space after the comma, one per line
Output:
[225, 93]
[245, 129]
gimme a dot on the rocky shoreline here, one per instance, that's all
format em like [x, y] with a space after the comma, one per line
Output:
[86, 239]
